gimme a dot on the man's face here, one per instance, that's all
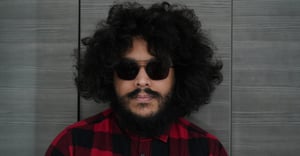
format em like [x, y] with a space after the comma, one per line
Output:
[143, 104]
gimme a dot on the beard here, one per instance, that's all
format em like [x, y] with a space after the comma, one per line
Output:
[146, 126]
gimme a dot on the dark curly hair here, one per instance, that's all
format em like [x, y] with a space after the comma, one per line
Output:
[171, 31]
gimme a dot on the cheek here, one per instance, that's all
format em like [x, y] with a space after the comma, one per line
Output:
[165, 86]
[122, 87]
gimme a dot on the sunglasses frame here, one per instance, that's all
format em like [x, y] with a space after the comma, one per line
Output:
[128, 69]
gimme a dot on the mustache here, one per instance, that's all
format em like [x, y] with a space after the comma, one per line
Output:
[149, 91]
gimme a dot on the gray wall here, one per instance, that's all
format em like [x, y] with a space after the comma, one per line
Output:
[266, 77]
[37, 95]
[255, 111]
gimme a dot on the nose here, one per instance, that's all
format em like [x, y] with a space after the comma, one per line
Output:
[142, 80]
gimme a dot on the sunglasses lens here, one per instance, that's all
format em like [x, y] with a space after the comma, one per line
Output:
[158, 69]
[127, 70]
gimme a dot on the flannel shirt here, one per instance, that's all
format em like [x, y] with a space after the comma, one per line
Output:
[100, 135]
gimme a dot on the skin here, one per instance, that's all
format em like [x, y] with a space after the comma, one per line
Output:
[143, 105]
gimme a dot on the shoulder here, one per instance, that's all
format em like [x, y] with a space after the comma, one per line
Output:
[88, 125]
[78, 132]
[185, 129]
[90, 122]
[197, 138]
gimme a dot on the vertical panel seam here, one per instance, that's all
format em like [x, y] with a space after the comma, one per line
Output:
[231, 78]
[78, 59]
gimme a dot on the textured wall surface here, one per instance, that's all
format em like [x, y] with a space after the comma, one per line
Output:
[255, 111]
[37, 94]
[266, 78]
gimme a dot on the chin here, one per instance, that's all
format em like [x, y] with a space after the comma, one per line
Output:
[144, 119]
[144, 114]
[147, 123]
[144, 110]
[141, 115]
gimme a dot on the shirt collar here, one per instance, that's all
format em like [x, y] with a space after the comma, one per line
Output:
[163, 137]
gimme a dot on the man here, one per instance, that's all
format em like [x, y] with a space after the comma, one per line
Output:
[154, 66]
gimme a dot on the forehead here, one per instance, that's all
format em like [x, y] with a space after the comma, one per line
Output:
[138, 51]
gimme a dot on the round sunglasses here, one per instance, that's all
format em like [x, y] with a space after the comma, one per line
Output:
[156, 69]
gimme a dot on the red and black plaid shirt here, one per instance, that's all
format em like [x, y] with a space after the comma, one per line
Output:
[100, 136]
